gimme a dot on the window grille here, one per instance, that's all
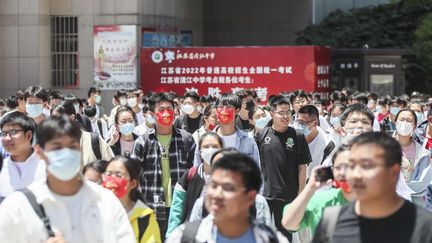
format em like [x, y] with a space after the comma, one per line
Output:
[64, 51]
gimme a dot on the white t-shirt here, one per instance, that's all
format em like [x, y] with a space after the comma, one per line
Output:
[230, 140]
[140, 117]
[74, 204]
[18, 175]
[316, 148]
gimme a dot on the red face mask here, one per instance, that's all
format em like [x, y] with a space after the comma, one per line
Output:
[165, 117]
[211, 126]
[116, 184]
[429, 143]
[225, 115]
[342, 185]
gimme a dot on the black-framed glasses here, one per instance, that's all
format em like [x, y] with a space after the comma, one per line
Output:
[11, 133]
[283, 113]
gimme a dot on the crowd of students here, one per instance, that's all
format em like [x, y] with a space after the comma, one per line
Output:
[232, 168]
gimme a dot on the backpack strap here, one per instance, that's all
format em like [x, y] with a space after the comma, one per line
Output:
[329, 220]
[299, 146]
[39, 210]
[191, 173]
[99, 124]
[95, 145]
[190, 231]
[261, 136]
[143, 223]
[328, 149]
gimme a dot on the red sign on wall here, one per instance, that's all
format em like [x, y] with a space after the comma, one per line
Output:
[217, 70]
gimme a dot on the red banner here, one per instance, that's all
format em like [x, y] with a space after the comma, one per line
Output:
[216, 70]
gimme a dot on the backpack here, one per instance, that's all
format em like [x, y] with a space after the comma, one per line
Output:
[95, 145]
[328, 222]
[263, 133]
[191, 230]
[39, 210]
[327, 150]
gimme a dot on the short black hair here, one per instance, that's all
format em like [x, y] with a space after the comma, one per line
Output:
[36, 91]
[12, 102]
[55, 94]
[360, 97]
[252, 111]
[391, 147]
[54, 127]
[357, 108]
[193, 95]
[279, 100]
[97, 165]
[243, 164]
[311, 110]
[132, 92]
[20, 119]
[90, 111]
[159, 97]
[341, 149]
[298, 94]
[121, 92]
[92, 90]
[244, 93]
[228, 99]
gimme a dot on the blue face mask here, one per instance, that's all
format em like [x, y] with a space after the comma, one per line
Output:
[64, 163]
[34, 110]
[305, 129]
[335, 121]
[378, 108]
[127, 128]
[150, 119]
[394, 110]
[98, 98]
[260, 123]
[420, 117]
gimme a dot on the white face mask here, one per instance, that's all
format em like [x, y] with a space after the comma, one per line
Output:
[351, 134]
[64, 163]
[404, 128]
[132, 102]
[150, 119]
[188, 109]
[207, 153]
[261, 122]
[123, 101]
[34, 110]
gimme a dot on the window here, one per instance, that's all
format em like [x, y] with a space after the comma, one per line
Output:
[64, 51]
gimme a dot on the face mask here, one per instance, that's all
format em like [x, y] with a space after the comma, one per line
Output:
[34, 110]
[335, 121]
[64, 163]
[123, 101]
[127, 128]
[207, 153]
[420, 117]
[370, 104]
[98, 98]
[116, 184]
[225, 115]
[351, 134]
[211, 127]
[150, 119]
[343, 185]
[394, 110]
[305, 129]
[260, 123]
[76, 107]
[200, 109]
[132, 102]
[404, 128]
[165, 117]
[188, 109]
[378, 108]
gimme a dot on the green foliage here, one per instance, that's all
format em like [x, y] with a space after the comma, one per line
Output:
[405, 24]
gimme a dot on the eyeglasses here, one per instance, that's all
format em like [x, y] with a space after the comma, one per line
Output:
[113, 173]
[226, 187]
[283, 113]
[304, 122]
[11, 133]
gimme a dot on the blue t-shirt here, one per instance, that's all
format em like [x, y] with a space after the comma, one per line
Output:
[247, 237]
